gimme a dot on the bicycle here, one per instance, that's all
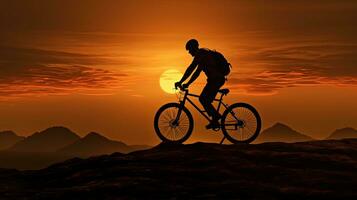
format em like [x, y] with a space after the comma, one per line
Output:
[240, 122]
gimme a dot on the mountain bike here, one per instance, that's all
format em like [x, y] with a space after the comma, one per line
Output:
[240, 122]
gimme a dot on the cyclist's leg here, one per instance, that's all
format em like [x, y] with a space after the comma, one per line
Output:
[207, 96]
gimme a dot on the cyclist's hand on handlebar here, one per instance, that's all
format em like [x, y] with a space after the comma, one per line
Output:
[185, 85]
[178, 85]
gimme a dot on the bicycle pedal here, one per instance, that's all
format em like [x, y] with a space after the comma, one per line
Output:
[216, 129]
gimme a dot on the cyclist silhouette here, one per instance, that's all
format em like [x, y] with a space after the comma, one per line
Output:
[204, 61]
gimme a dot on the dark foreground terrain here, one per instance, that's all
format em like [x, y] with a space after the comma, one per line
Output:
[306, 170]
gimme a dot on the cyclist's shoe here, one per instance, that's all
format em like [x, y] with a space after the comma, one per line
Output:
[213, 125]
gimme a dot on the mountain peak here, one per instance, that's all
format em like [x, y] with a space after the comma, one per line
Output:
[95, 144]
[57, 129]
[94, 136]
[346, 132]
[280, 125]
[48, 140]
[345, 129]
[8, 133]
[55, 132]
[280, 132]
[8, 138]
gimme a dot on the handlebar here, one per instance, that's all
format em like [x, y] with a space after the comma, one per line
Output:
[181, 88]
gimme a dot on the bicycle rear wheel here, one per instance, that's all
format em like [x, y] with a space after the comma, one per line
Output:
[241, 123]
[169, 127]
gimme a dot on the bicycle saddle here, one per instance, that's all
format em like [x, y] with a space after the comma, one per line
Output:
[224, 91]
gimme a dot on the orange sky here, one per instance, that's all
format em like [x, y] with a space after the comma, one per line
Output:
[95, 65]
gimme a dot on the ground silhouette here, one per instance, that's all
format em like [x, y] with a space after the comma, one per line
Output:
[305, 170]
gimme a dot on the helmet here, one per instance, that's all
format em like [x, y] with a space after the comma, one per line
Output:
[192, 44]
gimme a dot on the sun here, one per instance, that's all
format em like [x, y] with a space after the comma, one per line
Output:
[168, 79]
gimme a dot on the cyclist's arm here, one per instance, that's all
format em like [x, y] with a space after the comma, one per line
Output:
[195, 75]
[189, 71]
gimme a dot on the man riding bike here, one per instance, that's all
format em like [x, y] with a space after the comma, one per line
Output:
[205, 60]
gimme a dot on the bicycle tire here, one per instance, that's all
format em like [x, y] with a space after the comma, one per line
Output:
[244, 109]
[163, 120]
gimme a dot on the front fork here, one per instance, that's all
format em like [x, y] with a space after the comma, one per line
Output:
[182, 104]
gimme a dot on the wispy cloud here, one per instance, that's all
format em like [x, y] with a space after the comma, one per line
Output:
[296, 65]
[37, 72]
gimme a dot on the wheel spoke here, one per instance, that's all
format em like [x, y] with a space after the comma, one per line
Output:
[249, 127]
[173, 131]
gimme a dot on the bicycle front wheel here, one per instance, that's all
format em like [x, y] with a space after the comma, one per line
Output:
[173, 128]
[241, 123]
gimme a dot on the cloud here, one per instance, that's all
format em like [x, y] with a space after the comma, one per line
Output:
[37, 72]
[296, 65]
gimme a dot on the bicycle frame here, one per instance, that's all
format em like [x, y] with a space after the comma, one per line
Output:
[227, 125]
[202, 112]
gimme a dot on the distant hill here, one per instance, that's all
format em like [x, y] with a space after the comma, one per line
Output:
[57, 144]
[48, 140]
[91, 145]
[343, 133]
[95, 144]
[8, 138]
[281, 133]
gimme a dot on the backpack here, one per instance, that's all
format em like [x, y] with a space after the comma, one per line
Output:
[223, 65]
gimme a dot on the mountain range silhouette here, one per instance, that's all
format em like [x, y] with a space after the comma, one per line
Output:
[58, 143]
[49, 140]
[84, 146]
[54, 145]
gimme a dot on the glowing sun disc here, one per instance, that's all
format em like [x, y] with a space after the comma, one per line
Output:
[168, 79]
